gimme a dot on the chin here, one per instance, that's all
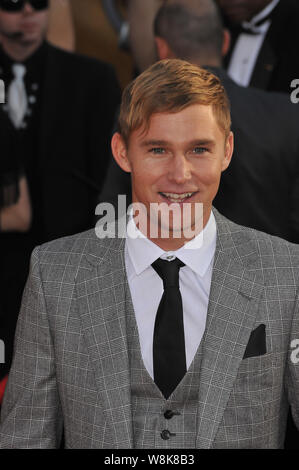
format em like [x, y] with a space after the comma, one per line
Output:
[238, 16]
[30, 39]
[31, 34]
[237, 19]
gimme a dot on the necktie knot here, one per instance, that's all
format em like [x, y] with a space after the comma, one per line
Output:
[168, 271]
[19, 71]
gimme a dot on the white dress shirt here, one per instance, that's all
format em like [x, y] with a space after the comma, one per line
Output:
[146, 287]
[248, 46]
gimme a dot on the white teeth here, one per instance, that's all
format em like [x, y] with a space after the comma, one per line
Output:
[177, 196]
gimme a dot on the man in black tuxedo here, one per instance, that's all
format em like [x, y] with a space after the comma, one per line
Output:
[61, 109]
[264, 38]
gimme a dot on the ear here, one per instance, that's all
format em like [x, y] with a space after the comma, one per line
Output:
[229, 148]
[163, 49]
[120, 153]
[226, 42]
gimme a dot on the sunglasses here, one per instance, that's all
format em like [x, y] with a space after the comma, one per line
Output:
[18, 5]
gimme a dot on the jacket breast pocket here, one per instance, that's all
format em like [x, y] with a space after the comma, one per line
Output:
[255, 378]
[253, 404]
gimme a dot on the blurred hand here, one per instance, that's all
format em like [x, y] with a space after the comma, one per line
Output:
[17, 217]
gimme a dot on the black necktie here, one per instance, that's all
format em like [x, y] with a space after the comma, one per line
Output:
[169, 354]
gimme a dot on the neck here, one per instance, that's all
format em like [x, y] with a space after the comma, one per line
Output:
[169, 242]
[19, 51]
[207, 62]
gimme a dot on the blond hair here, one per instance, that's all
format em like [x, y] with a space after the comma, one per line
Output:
[169, 86]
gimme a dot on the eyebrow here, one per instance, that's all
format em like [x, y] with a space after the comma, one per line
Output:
[154, 143]
[157, 143]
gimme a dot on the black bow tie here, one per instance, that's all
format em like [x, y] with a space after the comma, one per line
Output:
[250, 27]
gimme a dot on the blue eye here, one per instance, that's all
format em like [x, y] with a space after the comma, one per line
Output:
[199, 150]
[157, 150]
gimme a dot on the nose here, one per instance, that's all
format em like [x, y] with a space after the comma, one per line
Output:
[180, 170]
[28, 8]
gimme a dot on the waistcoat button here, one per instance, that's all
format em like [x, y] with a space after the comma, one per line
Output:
[168, 414]
[165, 434]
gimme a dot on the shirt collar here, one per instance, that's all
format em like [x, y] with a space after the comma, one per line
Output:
[34, 64]
[260, 16]
[196, 254]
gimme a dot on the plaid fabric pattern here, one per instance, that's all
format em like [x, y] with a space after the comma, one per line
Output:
[71, 364]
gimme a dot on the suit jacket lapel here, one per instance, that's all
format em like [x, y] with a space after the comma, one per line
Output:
[272, 48]
[265, 64]
[101, 301]
[233, 305]
[266, 60]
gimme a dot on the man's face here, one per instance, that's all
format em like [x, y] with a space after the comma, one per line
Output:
[29, 24]
[238, 11]
[181, 153]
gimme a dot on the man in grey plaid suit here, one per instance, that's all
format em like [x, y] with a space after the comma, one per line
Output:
[83, 358]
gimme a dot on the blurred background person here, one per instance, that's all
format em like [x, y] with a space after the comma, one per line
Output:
[17, 216]
[264, 38]
[59, 110]
[15, 206]
[98, 26]
[141, 17]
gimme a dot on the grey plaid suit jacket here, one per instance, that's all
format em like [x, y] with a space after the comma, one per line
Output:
[71, 364]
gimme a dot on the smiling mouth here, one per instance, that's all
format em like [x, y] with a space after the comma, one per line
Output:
[174, 197]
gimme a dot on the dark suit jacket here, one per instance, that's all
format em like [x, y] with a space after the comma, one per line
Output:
[278, 61]
[260, 189]
[81, 96]
[78, 105]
